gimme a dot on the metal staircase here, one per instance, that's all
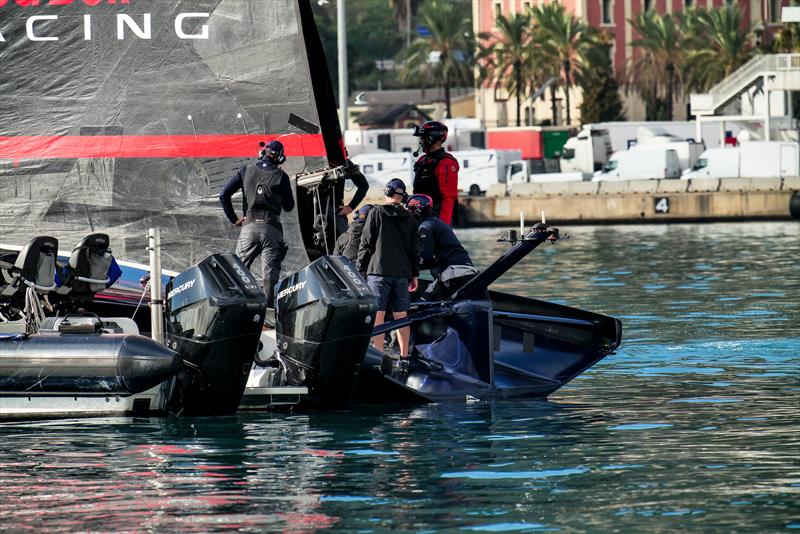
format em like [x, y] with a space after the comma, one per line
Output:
[779, 72]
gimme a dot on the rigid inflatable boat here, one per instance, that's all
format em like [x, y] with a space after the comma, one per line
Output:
[176, 97]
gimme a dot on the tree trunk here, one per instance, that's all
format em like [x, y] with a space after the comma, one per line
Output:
[566, 90]
[518, 72]
[670, 82]
[553, 104]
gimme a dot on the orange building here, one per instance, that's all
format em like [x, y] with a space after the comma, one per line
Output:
[497, 109]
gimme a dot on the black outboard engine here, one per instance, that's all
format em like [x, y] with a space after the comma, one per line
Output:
[215, 311]
[324, 317]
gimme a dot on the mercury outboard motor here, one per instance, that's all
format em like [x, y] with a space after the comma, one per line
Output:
[215, 311]
[324, 317]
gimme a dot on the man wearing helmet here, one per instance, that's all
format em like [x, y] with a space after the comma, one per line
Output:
[436, 172]
[441, 251]
[389, 256]
[266, 191]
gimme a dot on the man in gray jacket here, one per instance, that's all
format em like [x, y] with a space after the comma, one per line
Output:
[389, 257]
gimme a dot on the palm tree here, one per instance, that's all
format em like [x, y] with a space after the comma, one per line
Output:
[563, 38]
[404, 12]
[661, 40]
[446, 55]
[508, 59]
[724, 45]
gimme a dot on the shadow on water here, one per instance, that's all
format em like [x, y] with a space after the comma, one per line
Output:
[691, 426]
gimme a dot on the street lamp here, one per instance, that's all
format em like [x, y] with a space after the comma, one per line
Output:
[341, 31]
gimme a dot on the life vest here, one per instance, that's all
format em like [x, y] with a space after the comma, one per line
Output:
[261, 187]
[426, 180]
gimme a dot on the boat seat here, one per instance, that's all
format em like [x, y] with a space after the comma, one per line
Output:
[35, 267]
[88, 269]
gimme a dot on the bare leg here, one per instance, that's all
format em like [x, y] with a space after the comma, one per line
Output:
[403, 335]
[377, 341]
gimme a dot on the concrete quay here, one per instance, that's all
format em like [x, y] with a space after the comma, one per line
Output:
[636, 201]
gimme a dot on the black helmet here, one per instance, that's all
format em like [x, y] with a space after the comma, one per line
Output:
[420, 206]
[361, 214]
[430, 132]
[395, 186]
[273, 151]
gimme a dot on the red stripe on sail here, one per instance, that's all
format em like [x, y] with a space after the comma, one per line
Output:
[154, 146]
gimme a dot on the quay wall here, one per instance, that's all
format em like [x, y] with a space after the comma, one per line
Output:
[636, 201]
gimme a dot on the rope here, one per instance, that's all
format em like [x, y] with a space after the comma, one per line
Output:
[34, 313]
[144, 290]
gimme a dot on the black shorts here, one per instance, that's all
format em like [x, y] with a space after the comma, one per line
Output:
[391, 292]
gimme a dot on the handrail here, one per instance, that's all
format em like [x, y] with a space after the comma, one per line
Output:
[761, 65]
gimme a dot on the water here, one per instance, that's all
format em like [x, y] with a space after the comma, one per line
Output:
[692, 426]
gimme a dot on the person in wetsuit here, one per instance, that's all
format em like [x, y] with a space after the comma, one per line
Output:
[441, 251]
[266, 192]
[436, 172]
[348, 243]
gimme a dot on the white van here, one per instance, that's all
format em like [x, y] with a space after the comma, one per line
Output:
[640, 164]
[751, 159]
[767, 159]
[480, 169]
[380, 167]
[715, 163]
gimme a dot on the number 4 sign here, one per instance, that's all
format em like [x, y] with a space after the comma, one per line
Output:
[661, 204]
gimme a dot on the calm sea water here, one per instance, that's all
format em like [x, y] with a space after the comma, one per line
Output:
[694, 425]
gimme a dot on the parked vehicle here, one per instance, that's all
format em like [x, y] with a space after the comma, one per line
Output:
[380, 167]
[688, 150]
[715, 163]
[587, 152]
[483, 168]
[766, 159]
[479, 169]
[751, 159]
[641, 164]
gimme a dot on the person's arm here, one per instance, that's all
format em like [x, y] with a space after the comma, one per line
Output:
[362, 186]
[427, 247]
[233, 185]
[287, 198]
[416, 248]
[447, 174]
[367, 245]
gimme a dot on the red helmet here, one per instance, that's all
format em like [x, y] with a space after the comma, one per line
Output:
[420, 206]
[431, 132]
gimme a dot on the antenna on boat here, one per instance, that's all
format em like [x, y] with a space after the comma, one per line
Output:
[521, 223]
[156, 298]
[194, 128]
[244, 126]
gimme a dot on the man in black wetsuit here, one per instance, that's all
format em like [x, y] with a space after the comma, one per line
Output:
[441, 251]
[348, 243]
[266, 192]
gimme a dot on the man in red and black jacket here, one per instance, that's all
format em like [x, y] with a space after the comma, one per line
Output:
[436, 172]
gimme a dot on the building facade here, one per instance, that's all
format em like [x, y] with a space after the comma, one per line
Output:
[496, 109]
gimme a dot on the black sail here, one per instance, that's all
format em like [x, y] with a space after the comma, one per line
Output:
[130, 114]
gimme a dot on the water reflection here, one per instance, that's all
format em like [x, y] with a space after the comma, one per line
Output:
[691, 426]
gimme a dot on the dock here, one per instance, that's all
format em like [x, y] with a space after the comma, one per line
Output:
[636, 201]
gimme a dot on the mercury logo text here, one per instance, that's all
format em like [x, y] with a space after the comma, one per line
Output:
[180, 289]
[291, 289]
